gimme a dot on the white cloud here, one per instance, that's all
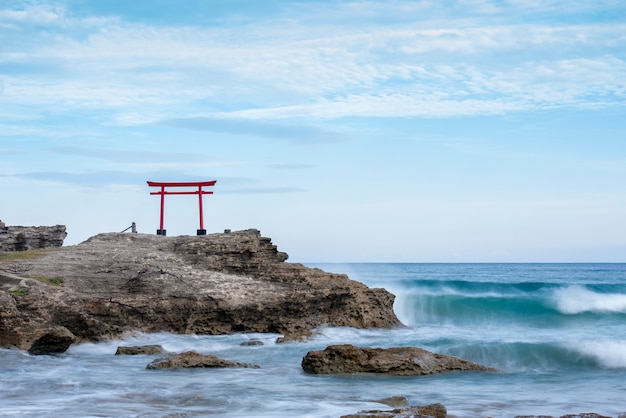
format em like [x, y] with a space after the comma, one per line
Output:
[298, 133]
[9, 151]
[33, 14]
[317, 67]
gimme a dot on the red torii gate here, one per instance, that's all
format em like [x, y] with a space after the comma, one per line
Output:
[199, 192]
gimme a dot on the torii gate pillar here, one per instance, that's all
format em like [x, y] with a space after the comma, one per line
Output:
[199, 192]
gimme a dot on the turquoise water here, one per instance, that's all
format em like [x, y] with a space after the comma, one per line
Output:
[556, 332]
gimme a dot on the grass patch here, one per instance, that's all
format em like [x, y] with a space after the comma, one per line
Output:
[19, 292]
[56, 280]
[25, 255]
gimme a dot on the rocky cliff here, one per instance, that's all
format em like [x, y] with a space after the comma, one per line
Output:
[22, 238]
[214, 284]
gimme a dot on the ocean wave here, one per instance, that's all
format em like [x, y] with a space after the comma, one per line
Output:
[474, 309]
[608, 354]
[578, 299]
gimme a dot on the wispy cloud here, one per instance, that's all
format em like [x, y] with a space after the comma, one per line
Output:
[131, 156]
[425, 64]
[9, 151]
[249, 185]
[246, 127]
[41, 14]
[290, 166]
[110, 180]
[263, 190]
[86, 179]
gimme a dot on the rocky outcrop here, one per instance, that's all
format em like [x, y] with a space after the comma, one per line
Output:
[583, 415]
[399, 361]
[190, 359]
[251, 343]
[139, 349]
[215, 284]
[23, 238]
[21, 326]
[435, 410]
[394, 401]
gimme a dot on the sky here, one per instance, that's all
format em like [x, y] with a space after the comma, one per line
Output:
[346, 131]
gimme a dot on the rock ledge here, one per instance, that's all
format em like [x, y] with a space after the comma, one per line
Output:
[115, 283]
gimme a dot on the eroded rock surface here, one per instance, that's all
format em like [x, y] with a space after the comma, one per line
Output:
[191, 359]
[399, 361]
[140, 349]
[583, 415]
[427, 411]
[22, 238]
[215, 284]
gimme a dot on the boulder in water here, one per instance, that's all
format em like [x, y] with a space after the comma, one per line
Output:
[141, 349]
[192, 359]
[399, 361]
[435, 410]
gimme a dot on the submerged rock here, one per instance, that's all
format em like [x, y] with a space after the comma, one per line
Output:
[399, 361]
[190, 359]
[583, 415]
[251, 343]
[214, 284]
[394, 401]
[141, 349]
[435, 410]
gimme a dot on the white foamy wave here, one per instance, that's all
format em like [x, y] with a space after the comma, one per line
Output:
[172, 343]
[577, 299]
[609, 354]
[102, 348]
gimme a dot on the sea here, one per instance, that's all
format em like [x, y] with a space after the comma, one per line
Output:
[556, 333]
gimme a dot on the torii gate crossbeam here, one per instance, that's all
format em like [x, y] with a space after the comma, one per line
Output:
[199, 192]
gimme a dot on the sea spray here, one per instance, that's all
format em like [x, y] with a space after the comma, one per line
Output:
[577, 299]
[607, 354]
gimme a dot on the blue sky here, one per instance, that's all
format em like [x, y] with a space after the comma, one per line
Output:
[415, 131]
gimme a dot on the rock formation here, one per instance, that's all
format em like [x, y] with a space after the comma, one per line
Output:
[435, 410]
[22, 238]
[583, 415]
[190, 359]
[215, 284]
[399, 361]
[251, 343]
[140, 349]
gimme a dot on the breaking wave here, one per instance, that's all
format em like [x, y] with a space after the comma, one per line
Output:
[578, 299]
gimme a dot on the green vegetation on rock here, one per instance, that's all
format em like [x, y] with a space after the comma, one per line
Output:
[25, 255]
[56, 280]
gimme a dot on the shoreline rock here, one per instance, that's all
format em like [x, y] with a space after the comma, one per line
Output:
[439, 411]
[140, 349]
[115, 283]
[435, 410]
[396, 361]
[582, 415]
[191, 359]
